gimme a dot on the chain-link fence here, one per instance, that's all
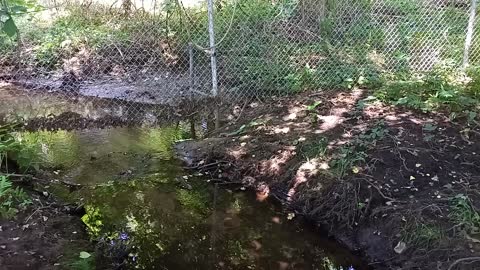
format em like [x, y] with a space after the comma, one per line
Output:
[132, 58]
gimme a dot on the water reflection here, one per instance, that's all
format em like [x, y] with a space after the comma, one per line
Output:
[40, 107]
[147, 213]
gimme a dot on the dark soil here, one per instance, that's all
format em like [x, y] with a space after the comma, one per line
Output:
[400, 193]
[44, 236]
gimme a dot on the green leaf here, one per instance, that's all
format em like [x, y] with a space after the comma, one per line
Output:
[85, 255]
[18, 9]
[9, 27]
[313, 106]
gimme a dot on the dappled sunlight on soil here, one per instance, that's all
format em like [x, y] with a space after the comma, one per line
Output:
[377, 176]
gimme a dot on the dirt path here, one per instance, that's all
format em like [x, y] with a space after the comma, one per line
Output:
[399, 186]
[45, 236]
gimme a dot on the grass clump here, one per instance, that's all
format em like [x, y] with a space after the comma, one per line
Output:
[464, 214]
[421, 235]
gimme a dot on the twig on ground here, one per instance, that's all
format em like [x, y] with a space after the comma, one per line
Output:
[379, 190]
[464, 260]
[34, 212]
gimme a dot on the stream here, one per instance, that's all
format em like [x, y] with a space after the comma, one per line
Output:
[145, 211]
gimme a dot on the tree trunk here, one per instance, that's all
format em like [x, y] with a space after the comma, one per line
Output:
[313, 11]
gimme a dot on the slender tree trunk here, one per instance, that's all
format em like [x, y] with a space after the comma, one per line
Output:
[470, 30]
[313, 11]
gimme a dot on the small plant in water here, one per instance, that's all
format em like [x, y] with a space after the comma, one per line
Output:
[85, 261]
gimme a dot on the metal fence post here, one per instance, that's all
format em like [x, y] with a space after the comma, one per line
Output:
[470, 30]
[213, 59]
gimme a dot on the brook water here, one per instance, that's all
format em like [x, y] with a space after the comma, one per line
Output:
[145, 211]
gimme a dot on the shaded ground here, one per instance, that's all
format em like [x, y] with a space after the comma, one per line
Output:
[45, 236]
[400, 186]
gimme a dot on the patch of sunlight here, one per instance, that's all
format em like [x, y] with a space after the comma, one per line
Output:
[273, 165]
[292, 113]
[330, 122]
[304, 172]
[237, 153]
[391, 118]
[283, 130]
[140, 196]
[376, 58]
[245, 137]
[324, 166]
[132, 223]
[93, 220]
[416, 121]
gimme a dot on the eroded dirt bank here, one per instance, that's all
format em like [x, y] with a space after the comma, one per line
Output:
[47, 235]
[398, 186]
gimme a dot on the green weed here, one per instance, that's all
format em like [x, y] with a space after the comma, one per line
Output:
[85, 261]
[11, 199]
[421, 235]
[347, 157]
[356, 151]
[464, 214]
[315, 149]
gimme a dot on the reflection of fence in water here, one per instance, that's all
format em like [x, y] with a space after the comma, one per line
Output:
[263, 48]
[19, 105]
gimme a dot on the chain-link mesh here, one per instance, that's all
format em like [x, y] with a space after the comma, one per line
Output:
[131, 61]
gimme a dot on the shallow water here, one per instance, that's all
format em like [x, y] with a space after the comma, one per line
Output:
[19, 104]
[147, 212]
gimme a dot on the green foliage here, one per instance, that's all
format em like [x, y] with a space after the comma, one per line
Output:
[464, 214]
[443, 88]
[11, 8]
[11, 199]
[421, 235]
[355, 151]
[85, 261]
[93, 220]
[7, 144]
[315, 149]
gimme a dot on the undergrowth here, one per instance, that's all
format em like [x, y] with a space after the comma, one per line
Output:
[12, 199]
[355, 152]
[260, 48]
[445, 88]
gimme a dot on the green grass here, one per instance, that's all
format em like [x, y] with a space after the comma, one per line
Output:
[420, 235]
[444, 88]
[314, 149]
[464, 214]
[260, 49]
